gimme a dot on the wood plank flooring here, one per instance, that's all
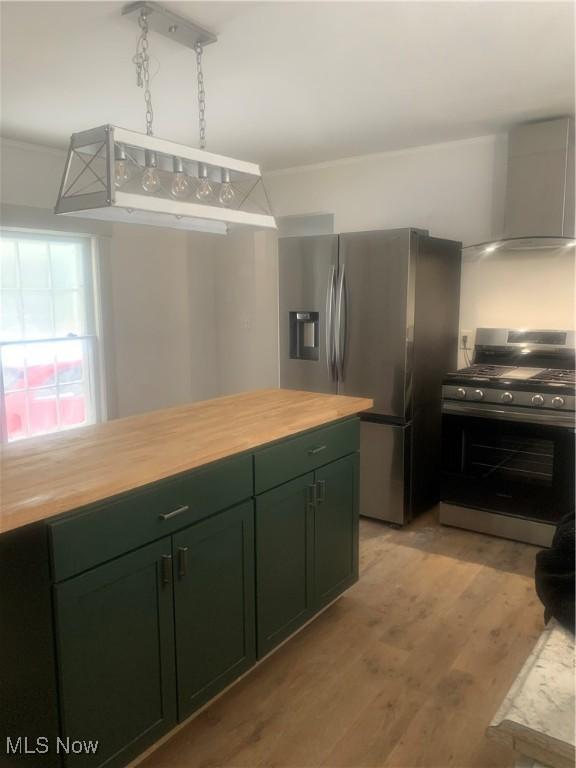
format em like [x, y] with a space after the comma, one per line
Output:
[404, 671]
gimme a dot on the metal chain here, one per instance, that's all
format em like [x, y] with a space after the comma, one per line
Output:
[201, 96]
[142, 61]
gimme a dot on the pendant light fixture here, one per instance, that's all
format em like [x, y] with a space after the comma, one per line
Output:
[120, 175]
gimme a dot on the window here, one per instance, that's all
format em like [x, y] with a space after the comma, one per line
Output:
[48, 341]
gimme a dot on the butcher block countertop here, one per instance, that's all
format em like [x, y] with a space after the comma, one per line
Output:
[47, 476]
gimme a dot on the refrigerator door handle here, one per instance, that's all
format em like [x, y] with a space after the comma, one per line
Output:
[330, 299]
[341, 324]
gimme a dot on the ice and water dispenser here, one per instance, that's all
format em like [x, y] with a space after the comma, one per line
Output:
[304, 335]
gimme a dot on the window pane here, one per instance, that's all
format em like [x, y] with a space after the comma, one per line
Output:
[69, 373]
[40, 364]
[10, 320]
[34, 265]
[13, 367]
[73, 385]
[37, 314]
[8, 264]
[43, 410]
[67, 313]
[69, 361]
[66, 265]
[16, 414]
[72, 403]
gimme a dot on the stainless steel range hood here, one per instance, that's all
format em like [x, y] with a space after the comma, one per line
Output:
[540, 205]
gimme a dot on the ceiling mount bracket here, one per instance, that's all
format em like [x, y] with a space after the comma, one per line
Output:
[170, 25]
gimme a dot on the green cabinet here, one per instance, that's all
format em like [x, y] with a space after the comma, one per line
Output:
[101, 532]
[335, 529]
[214, 605]
[146, 605]
[148, 638]
[307, 547]
[115, 644]
[278, 463]
[284, 534]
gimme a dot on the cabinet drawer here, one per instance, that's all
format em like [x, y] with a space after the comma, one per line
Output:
[298, 455]
[108, 529]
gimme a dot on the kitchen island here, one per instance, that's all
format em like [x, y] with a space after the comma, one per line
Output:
[146, 563]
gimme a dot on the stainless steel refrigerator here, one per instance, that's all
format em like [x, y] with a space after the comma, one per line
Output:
[375, 314]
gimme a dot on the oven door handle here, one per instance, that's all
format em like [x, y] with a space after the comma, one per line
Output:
[484, 410]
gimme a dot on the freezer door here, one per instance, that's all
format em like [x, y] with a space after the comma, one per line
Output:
[375, 309]
[307, 272]
[385, 471]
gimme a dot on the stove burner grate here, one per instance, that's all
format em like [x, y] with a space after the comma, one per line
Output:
[557, 376]
[484, 371]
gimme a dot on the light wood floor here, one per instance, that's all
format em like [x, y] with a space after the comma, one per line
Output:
[404, 671]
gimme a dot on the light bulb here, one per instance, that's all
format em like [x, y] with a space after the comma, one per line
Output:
[204, 190]
[121, 170]
[121, 175]
[227, 193]
[150, 180]
[180, 187]
[150, 177]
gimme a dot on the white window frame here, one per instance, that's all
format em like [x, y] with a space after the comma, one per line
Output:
[93, 339]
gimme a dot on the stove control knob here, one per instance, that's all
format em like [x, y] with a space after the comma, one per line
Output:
[557, 402]
[477, 394]
[537, 400]
[507, 397]
[461, 393]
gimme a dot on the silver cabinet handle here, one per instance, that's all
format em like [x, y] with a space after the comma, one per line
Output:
[182, 562]
[341, 323]
[178, 511]
[321, 491]
[330, 349]
[314, 451]
[166, 568]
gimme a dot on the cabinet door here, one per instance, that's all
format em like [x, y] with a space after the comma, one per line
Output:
[214, 604]
[284, 533]
[335, 529]
[116, 655]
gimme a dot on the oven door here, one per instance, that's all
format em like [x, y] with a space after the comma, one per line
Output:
[508, 467]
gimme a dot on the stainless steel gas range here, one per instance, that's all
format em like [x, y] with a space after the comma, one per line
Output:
[508, 435]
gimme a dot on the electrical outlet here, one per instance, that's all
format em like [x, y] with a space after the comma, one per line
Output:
[466, 340]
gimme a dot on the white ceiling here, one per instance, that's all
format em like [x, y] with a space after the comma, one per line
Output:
[293, 82]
